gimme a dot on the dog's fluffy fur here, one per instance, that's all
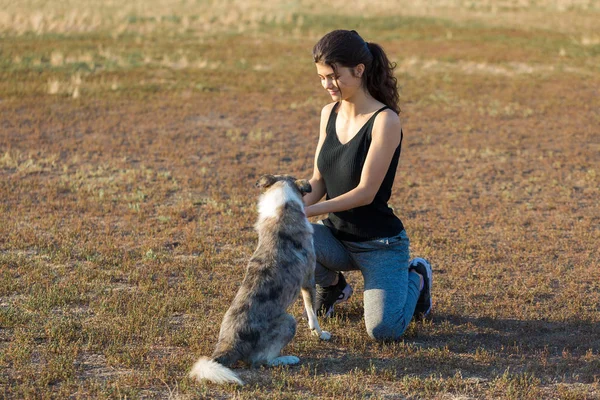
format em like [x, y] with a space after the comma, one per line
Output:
[256, 327]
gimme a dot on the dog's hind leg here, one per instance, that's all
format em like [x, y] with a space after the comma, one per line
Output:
[309, 295]
[282, 331]
[287, 331]
[283, 360]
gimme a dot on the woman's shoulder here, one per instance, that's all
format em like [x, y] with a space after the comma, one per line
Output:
[325, 111]
[387, 120]
[388, 116]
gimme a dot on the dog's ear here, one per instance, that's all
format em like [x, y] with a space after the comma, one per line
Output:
[265, 181]
[303, 186]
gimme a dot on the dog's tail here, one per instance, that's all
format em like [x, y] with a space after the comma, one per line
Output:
[208, 369]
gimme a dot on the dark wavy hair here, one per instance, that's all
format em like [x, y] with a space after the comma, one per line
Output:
[347, 49]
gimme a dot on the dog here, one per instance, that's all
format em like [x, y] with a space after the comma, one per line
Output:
[257, 326]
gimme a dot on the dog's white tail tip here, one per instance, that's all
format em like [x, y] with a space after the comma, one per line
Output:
[208, 369]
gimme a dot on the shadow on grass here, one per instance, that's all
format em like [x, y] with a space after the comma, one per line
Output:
[553, 338]
[478, 348]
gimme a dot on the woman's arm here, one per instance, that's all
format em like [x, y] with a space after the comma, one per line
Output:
[317, 183]
[385, 140]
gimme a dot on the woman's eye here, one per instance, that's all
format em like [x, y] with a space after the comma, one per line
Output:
[324, 78]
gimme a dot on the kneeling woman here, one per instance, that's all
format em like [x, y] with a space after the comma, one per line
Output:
[355, 165]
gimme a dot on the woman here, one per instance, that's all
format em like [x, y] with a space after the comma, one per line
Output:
[355, 165]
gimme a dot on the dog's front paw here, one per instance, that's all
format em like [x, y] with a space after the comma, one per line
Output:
[323, 335]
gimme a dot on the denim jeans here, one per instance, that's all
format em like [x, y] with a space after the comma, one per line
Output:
[391, 292]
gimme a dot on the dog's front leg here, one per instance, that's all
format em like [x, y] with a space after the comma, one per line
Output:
[309, 296]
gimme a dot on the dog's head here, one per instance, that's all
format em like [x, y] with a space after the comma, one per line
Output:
[267, 181]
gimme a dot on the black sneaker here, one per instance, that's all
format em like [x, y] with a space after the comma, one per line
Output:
[422, 266]
[329, 296]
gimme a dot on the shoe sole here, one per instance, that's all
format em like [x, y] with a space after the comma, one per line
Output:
[429, 272]
[347, 292]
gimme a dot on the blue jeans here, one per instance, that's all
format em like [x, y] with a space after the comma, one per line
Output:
[391, 292]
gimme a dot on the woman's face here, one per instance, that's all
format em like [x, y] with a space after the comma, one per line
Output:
[344, 84]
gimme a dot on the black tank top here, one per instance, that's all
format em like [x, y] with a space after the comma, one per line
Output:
[341, 166]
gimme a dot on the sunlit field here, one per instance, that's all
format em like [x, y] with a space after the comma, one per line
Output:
[131, 136]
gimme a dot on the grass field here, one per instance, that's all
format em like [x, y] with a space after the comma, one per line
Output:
[130, 139]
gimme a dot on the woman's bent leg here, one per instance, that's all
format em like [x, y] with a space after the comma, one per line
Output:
[331, 256]
[391, 292]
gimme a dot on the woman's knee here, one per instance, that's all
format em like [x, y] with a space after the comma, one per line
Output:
[320, 232]
[385, 331]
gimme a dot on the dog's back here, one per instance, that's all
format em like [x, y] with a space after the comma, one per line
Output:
[273, 277]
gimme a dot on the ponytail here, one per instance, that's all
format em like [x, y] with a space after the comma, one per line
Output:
[380, 80]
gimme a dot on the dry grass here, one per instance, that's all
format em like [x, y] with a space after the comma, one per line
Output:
[208, 17]
[131, 135]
